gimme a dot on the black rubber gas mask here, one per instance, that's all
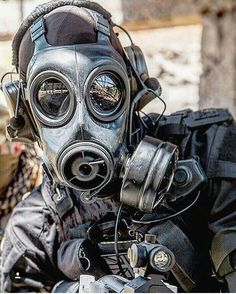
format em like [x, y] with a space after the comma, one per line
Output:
[79, 97]
[79, 104]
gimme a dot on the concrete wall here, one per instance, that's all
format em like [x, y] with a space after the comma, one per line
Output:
[218, 84]
[218, 80]
[10, 14]
[158, 13]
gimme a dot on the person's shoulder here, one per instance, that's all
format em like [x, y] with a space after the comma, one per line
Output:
[30, 220]
[33, 203]
[181, 124]
[228, 144]
[32, 199]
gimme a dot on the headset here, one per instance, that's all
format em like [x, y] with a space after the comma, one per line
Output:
[143, 88]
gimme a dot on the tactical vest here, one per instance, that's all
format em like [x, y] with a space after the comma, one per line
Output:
[186, 127]
[195, 133]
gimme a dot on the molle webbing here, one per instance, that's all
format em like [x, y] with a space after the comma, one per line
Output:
[180, 122]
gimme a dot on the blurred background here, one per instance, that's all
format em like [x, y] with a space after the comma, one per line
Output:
[189, 45]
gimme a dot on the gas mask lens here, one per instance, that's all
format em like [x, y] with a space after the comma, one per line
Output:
[106, 96]
[53, 97]
[105, 93]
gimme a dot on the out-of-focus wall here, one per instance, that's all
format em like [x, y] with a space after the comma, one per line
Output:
[159, 13]
[172, 56]
[175, 61]
[10, 14]
[218, 44]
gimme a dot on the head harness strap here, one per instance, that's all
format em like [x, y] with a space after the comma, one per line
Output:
[37, 31]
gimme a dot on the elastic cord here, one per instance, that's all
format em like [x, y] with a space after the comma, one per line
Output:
[116, 240]
[125, 31]
[169, 216]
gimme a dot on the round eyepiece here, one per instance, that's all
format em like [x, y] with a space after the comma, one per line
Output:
[52, 98]
[106, 93]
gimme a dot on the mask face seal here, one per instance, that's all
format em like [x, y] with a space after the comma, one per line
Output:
[148, 174]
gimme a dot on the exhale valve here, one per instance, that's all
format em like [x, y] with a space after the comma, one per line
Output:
[85, 166]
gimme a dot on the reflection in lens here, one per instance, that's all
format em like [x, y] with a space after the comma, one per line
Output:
[106, 93]
[53, 98]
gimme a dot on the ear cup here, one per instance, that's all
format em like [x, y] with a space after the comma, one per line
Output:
[20, 126]
[137, 59]
[154, 84]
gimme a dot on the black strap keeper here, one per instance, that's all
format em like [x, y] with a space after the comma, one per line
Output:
[37, 29]
[102, 25]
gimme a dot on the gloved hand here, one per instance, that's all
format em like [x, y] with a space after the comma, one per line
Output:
[80, 256]
[231, 281]
[66, 287]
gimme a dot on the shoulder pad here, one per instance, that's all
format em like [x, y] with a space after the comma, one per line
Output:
[207, 117]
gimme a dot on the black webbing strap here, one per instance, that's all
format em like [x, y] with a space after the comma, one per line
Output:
[37, 31]
[63, 203]
[102, 25]
[61, 206]
[174, 125]
[223, 169]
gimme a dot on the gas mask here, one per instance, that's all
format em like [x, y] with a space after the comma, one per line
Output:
[79, 105]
